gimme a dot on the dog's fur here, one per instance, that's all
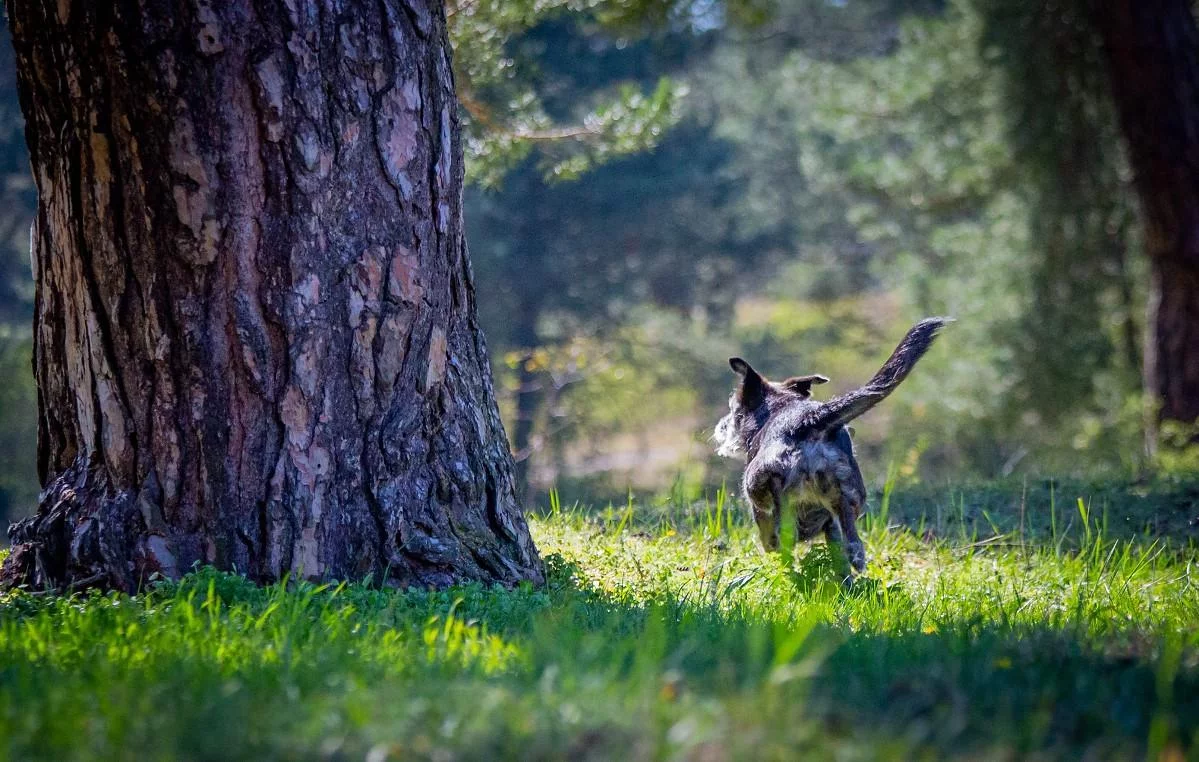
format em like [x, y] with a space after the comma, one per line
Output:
[797, 447]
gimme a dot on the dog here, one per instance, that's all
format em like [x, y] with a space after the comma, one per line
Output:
[798, 447]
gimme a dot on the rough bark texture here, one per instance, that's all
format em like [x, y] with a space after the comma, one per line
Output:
[256, 343]
[1152, 49]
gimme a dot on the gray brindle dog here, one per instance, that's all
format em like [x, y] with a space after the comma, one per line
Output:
[797, 447]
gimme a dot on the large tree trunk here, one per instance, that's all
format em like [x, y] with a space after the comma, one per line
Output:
[256, 343]
[1152, 50]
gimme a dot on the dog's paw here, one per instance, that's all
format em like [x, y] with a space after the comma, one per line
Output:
[857, 557]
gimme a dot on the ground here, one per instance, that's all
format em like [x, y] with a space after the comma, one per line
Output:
[994, 622]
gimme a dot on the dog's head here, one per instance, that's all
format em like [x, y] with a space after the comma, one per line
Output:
[751, 404]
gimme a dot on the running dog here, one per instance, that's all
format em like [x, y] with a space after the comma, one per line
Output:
[797, 447]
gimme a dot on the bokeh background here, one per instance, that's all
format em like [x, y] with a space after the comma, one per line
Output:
[657, 186]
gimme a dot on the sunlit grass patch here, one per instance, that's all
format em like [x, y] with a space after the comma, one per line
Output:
[230, 626]
[1100, 586]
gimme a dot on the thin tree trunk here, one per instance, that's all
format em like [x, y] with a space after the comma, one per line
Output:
[1152, 50]
[256, 343]
[16, 197]
[529, 394]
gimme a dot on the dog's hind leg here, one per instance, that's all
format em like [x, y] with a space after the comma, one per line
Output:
[832, 531]
[851, 479]
[849, 507]
[766, 498]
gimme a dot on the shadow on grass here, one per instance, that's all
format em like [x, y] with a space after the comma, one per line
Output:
[1062, 513]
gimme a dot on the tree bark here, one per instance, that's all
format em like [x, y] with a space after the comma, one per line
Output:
[256, 342]
[1152, 52]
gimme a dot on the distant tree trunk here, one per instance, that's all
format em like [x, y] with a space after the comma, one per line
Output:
[16, 197]
[1152, 51]
[528, 394]
[256, 343]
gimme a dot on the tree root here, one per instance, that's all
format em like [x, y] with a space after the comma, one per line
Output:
[83, 535]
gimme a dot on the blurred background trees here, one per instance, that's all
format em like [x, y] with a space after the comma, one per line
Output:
[18, 399]
[657, 184]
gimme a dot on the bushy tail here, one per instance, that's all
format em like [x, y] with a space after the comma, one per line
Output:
[843, 409]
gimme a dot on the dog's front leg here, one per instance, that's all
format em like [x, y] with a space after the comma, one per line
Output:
[848, 511]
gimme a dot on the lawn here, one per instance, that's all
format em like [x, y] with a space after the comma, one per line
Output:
[994, 622]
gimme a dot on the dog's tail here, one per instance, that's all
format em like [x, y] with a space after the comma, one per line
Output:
[841, 410]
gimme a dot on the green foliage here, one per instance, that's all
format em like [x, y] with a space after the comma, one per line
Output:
[921, 184]
[513, 103]
[638, 231]
[637, 386]
[662, 632]
[506, 118]
[1178, 445]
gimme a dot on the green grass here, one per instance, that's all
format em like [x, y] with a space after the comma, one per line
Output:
[984, 629]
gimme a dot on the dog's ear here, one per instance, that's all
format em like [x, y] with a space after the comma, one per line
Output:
[802, 385]
[752, 389]
[740, 367]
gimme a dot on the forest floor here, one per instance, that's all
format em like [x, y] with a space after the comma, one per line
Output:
[994, 622]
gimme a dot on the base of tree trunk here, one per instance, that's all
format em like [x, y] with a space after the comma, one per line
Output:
[84, 535]
[1173, 362]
